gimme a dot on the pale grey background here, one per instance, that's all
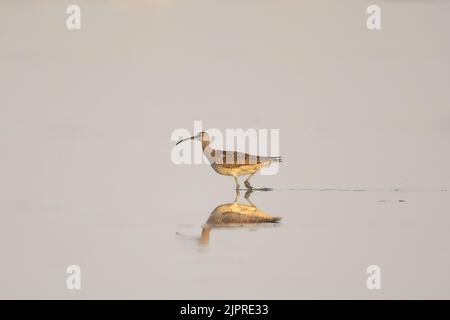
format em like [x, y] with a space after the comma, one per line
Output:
[85, 170]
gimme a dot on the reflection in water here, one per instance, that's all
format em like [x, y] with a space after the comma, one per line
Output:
[235, 215]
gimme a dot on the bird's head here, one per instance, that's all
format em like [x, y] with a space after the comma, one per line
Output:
[202, 136]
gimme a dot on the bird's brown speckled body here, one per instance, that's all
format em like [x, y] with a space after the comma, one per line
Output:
[236, 215]
[233, 163]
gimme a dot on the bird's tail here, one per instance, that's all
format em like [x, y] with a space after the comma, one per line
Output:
[276, 159]
[276, 220]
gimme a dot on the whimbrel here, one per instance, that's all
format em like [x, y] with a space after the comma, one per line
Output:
[236, 214]
[232, 163]
[233, 215]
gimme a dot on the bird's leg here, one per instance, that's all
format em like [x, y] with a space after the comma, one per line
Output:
[247, 181]
[237, 183]
[247, 197]
[237, 196]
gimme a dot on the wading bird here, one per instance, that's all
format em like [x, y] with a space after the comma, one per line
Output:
[232, 163]
[236, 215]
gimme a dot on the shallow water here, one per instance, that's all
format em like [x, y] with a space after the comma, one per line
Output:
[86, 176]
[323, 246]
[320, 249]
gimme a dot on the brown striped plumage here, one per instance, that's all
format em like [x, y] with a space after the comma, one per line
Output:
[233, 163]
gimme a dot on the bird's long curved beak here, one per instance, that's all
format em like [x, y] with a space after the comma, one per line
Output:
[191, 138]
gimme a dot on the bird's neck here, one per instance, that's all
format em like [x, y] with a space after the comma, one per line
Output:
[205, 144]
[205, 235]
[208, 151]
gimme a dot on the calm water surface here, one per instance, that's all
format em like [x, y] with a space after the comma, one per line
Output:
[86, 176]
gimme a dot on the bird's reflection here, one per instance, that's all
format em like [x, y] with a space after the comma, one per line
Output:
[235, 214]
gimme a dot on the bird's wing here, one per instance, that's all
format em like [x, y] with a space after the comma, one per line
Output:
[236, 159]
[238, 213]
